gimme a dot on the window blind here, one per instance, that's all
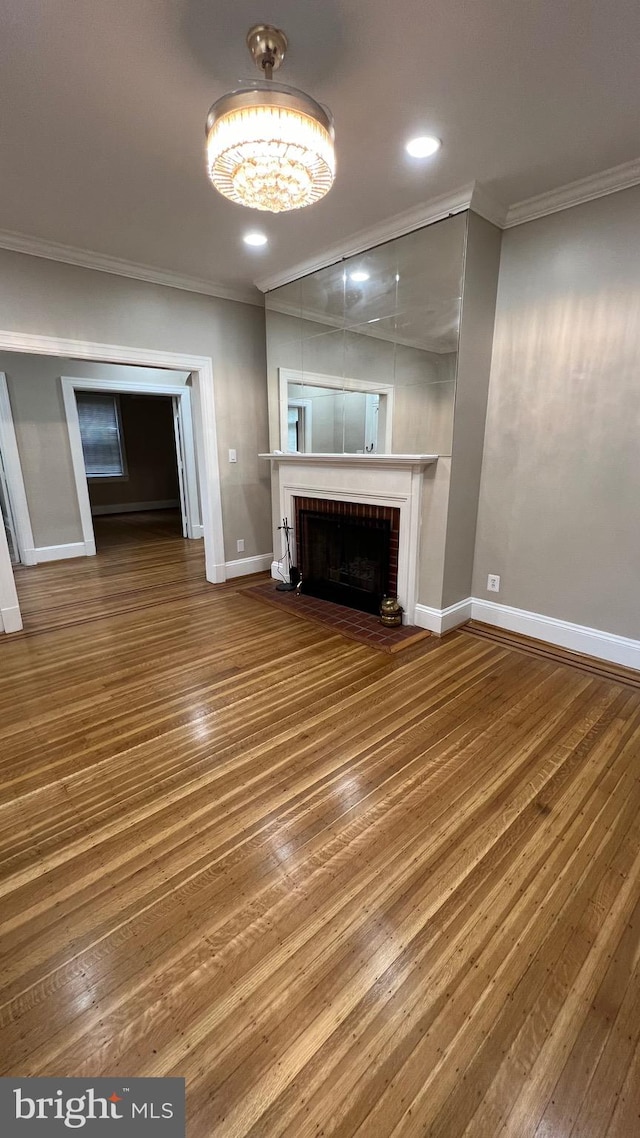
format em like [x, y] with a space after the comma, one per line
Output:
[100, 434]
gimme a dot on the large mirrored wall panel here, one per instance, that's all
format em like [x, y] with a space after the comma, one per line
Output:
[362, 355]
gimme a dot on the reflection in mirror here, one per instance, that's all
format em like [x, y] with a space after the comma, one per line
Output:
[362, 354]
[326, 414]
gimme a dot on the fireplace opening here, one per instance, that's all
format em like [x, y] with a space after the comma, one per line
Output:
[347, 553]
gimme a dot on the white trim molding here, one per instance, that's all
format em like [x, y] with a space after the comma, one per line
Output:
[136, 507]
[180, 393]
[10, 619]
[424, 214]
[442, 620]
[575, 637]
[103, 263]
[245, 566]
[13, 473]
[335, 383]
[473, 196]
[483, 203]
[62, 552]
[390, 461]
[575, 193]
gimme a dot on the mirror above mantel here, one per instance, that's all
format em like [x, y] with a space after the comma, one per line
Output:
[334, 414]
[362, 354]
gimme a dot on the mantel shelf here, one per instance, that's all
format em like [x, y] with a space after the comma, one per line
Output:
[395, 460]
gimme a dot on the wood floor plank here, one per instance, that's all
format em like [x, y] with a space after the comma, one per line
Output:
[626, 1116]
[341, 893]
[406, 1060]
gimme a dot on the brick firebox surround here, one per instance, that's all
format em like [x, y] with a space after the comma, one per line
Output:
[355, 510]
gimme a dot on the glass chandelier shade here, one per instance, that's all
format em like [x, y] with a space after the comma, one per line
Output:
[270, 147]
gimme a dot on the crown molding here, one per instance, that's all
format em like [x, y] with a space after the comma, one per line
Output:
[487, 206]
[396, 226]
[472, 196]
[575, 193]
[101, 262]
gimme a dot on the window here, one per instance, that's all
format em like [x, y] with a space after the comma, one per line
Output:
[101, 434]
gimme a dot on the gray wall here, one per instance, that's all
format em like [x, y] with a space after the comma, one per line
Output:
[49, 298]
[451, 488]
[560, 491]
[482, 263]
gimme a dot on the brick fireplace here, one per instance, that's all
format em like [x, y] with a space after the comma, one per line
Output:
[388, 485]
[346, 551]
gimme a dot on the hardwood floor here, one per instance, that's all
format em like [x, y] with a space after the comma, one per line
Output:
[342, 893]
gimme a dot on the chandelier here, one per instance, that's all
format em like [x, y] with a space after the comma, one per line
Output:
[269, 146]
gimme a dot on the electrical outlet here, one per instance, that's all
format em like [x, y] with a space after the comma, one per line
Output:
[233, 456]
[240, 544]
[493, 583]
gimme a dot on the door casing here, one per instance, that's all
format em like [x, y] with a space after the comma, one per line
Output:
[181, 394]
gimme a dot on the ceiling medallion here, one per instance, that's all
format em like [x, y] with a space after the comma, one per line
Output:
[269, 146]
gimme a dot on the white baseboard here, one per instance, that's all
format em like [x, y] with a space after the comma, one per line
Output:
[198, 531]
[442, 620]
[10, 619]
[60, 552]
[576, 637]
[216, 574]
[135, 507]
[247, 565]
[277, 571]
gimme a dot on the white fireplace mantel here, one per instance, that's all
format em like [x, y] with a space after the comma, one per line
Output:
[378, 479]
[387, 460]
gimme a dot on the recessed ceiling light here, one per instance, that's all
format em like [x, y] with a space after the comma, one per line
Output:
[423, 146]
[359, 276]
[255, 239]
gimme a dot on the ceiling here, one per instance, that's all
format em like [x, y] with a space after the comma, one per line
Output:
[104, 106]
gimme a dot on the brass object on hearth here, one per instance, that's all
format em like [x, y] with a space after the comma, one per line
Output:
[390, 612]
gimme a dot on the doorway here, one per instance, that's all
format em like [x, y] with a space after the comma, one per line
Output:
[134, 463]
[204, 422]
[111, 440]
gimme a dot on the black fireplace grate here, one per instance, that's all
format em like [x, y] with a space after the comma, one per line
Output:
[344, 559]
